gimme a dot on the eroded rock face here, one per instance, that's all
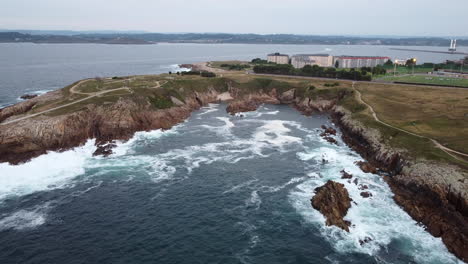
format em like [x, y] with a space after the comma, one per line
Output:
[242, 106]
[23, 140]
[434, 194]
[333, 201]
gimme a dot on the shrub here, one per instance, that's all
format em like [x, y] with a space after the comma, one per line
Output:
[208, 74]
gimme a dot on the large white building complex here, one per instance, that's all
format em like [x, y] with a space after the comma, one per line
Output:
[359, 61]
[278, 58]
[301, 60]
[325, 60]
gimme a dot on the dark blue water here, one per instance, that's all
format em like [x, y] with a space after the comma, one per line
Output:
[36, 68]
[215, 189]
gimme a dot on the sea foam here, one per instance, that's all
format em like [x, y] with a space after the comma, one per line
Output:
[378, 218]
[50, 171]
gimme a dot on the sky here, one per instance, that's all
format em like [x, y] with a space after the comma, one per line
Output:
[311, 17]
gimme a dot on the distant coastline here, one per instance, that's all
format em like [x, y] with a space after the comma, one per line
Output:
[222, 38]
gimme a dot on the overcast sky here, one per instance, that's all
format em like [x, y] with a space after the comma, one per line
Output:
[324, 17]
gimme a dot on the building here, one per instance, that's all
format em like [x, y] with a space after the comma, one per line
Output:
[400, 62]
[278, 58]
[359, 61]
[301, 60]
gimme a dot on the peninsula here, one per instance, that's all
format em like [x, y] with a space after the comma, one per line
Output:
[414, 136]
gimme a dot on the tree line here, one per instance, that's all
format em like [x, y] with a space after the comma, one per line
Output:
[360, 74]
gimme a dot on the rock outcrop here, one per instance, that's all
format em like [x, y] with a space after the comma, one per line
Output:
[26, 139]
[333, 201]
[434, 194]
[366, 167]
[28, 96]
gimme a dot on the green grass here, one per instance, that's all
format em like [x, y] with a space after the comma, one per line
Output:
[407, 70]
[428, 79]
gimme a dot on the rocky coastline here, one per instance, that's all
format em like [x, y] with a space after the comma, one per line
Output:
[420, 187]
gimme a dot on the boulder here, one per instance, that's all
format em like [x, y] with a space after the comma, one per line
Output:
[366, 167]
[287, 97]
[345, 175]
[333, 201]
[366, 194]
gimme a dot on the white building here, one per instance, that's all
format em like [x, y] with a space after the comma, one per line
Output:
[359, 61]
[278, 58]
[300, 60]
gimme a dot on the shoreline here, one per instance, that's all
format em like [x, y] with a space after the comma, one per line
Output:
[439, 207]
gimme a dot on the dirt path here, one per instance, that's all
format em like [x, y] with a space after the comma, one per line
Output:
[449, 151]
[73, 91]
[65, 105]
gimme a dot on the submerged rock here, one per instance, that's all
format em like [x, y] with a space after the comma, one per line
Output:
[28, 96]
[333, 201]
[366, 194]
[345, 175]
[104, 149]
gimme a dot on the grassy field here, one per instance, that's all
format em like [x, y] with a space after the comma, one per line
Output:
[407, 70]
[427, 79]
[438, 113]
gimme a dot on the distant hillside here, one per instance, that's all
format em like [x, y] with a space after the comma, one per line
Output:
[103, 39]
[149, 38]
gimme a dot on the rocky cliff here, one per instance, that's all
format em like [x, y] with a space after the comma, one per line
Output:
[23, 140]
[433, 194]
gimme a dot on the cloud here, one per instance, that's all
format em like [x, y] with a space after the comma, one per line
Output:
[331, 17]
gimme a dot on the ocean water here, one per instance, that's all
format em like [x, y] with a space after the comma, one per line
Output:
[214, 189]
[38, 68]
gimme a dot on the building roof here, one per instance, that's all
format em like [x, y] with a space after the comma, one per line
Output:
[278, 54]
[314, 55]
[362, 57]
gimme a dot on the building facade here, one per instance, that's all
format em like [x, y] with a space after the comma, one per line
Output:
[359, 61]
[301, 60]
[278, 58]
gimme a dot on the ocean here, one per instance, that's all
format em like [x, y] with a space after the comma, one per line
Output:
[214, 189]
[38, 68]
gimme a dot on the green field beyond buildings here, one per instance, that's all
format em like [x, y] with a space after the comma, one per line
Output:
[427, 79]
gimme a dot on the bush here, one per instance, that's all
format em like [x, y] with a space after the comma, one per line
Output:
[191, 73]
[208, 74]
[259, 61]
[237, 67]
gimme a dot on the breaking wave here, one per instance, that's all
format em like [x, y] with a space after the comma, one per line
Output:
[377, 222]
[47, 172]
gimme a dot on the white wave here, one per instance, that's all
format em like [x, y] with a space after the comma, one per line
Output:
[274, 133]
[254, 200]
[208, 109]
[50, 171]
[224, 130]
[378, 218]
[25, 219]
[240, 186]
[271, 189]
[141, 138]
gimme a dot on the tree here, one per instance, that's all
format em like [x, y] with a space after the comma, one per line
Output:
[337, 64]
[389, 63]
[411, 62]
